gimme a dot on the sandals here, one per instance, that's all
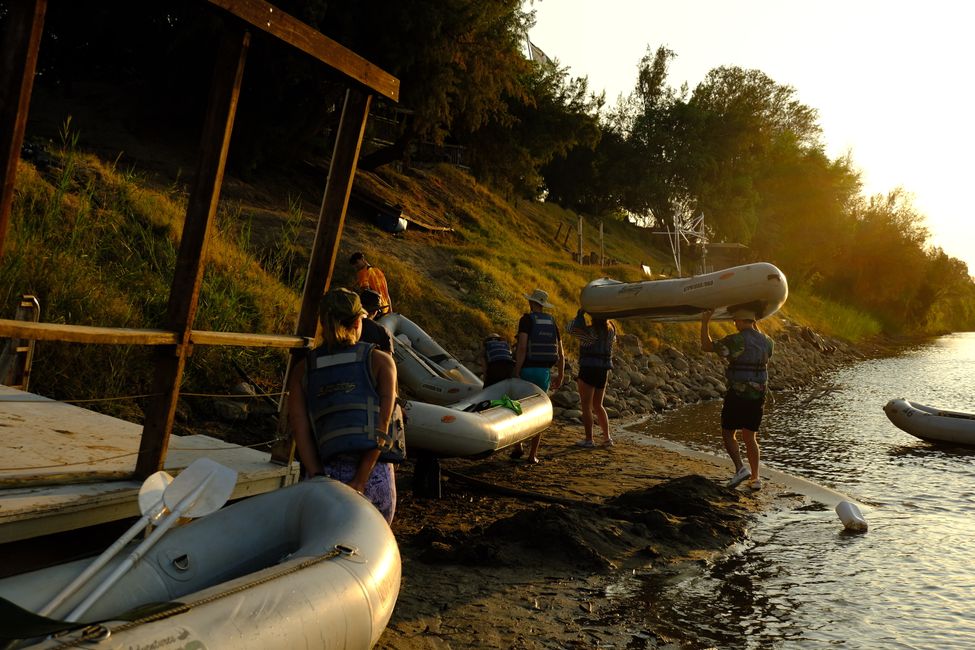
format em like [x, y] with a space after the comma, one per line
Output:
[585, 443]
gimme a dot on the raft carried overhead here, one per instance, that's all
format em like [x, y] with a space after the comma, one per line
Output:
[930, 423]
[481, 424]
[760, 288]
[311, 564]
[427, 371]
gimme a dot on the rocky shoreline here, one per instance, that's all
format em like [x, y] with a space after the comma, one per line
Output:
[644, 382]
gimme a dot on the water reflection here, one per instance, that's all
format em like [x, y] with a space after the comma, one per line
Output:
[800, 581]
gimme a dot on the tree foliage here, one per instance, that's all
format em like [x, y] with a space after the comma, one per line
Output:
[739, 148]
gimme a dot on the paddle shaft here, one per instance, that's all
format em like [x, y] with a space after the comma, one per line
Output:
[100, 561]
[139, 551]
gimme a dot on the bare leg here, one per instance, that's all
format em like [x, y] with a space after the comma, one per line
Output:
[731, 446]
[602, 417]
[533, 452]
[586, 399]
[750, 438]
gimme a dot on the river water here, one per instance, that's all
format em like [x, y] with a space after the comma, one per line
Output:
[799, 580]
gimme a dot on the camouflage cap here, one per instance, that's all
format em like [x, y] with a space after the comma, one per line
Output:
[342, 304]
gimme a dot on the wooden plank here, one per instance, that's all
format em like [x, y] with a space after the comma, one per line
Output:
[331, 220]
[242, 339]
[292, 31]
[18, 61]
[84, 333]
[16, 329]
[200, 212]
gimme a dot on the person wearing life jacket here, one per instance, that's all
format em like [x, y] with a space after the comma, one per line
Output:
[342, 406]
[373, 332]
[595, 363]
[538, 350]
[497, 361]
[747, 352]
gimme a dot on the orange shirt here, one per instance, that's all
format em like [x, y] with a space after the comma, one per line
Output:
[372, 278]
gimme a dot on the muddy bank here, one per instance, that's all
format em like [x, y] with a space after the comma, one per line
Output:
[539, 563]
[534, 563]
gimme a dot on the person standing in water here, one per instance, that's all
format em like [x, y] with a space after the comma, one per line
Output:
[747, 353]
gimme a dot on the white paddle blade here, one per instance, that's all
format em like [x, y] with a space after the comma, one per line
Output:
[151, 502]
[220, 482]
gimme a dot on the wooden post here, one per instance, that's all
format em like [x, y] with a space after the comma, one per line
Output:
[188, 276]
[331, 220]
[580, 240]
[558, 232]
[18, 60]
[602, 256]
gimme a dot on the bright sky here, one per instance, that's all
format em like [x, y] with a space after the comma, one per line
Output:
[891, 79]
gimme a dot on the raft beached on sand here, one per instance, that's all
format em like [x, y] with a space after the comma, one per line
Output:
[760, 288]
[929, 423]
[311, 565]
[474, 427]
[427, 371]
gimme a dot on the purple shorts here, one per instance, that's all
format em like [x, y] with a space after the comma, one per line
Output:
[380, 488]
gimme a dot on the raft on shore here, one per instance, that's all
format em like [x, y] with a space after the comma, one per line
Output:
[481, 424]
[426, 370]
[314, 563]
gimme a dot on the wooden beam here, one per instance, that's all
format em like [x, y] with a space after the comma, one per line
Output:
[200, 212]
[84, 333]
[18, 60]
[242, 339]
[331, 220]
[16, 329]
[292, 31]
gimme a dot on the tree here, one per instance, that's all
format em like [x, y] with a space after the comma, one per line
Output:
[740, 118]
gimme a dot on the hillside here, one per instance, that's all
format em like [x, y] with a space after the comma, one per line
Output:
[95, 230]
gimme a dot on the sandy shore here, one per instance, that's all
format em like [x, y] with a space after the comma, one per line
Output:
[487, 568]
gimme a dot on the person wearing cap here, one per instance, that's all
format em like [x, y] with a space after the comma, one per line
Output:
[538, 350]
[497, 361]
[342, 406]
[368, 276]
[747, 353]
[373, 332]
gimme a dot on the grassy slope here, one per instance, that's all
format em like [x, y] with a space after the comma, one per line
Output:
[97, 245]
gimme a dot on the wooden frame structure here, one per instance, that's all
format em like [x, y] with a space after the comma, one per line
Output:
[174, 344]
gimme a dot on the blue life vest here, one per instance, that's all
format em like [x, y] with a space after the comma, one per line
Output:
[752, 363]
[497, 350]
[343, 405]
[543, 341]
[598, 353]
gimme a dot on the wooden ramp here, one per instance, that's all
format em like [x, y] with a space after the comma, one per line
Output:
[63, 467]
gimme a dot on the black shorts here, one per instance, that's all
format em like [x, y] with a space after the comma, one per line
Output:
[498, 371]
[595, 377]
[741, 413]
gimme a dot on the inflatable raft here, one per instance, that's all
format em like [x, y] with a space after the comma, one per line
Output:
[474, 427]
[312, 565]
[929, 423]
[760, 288]
[426, 371]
